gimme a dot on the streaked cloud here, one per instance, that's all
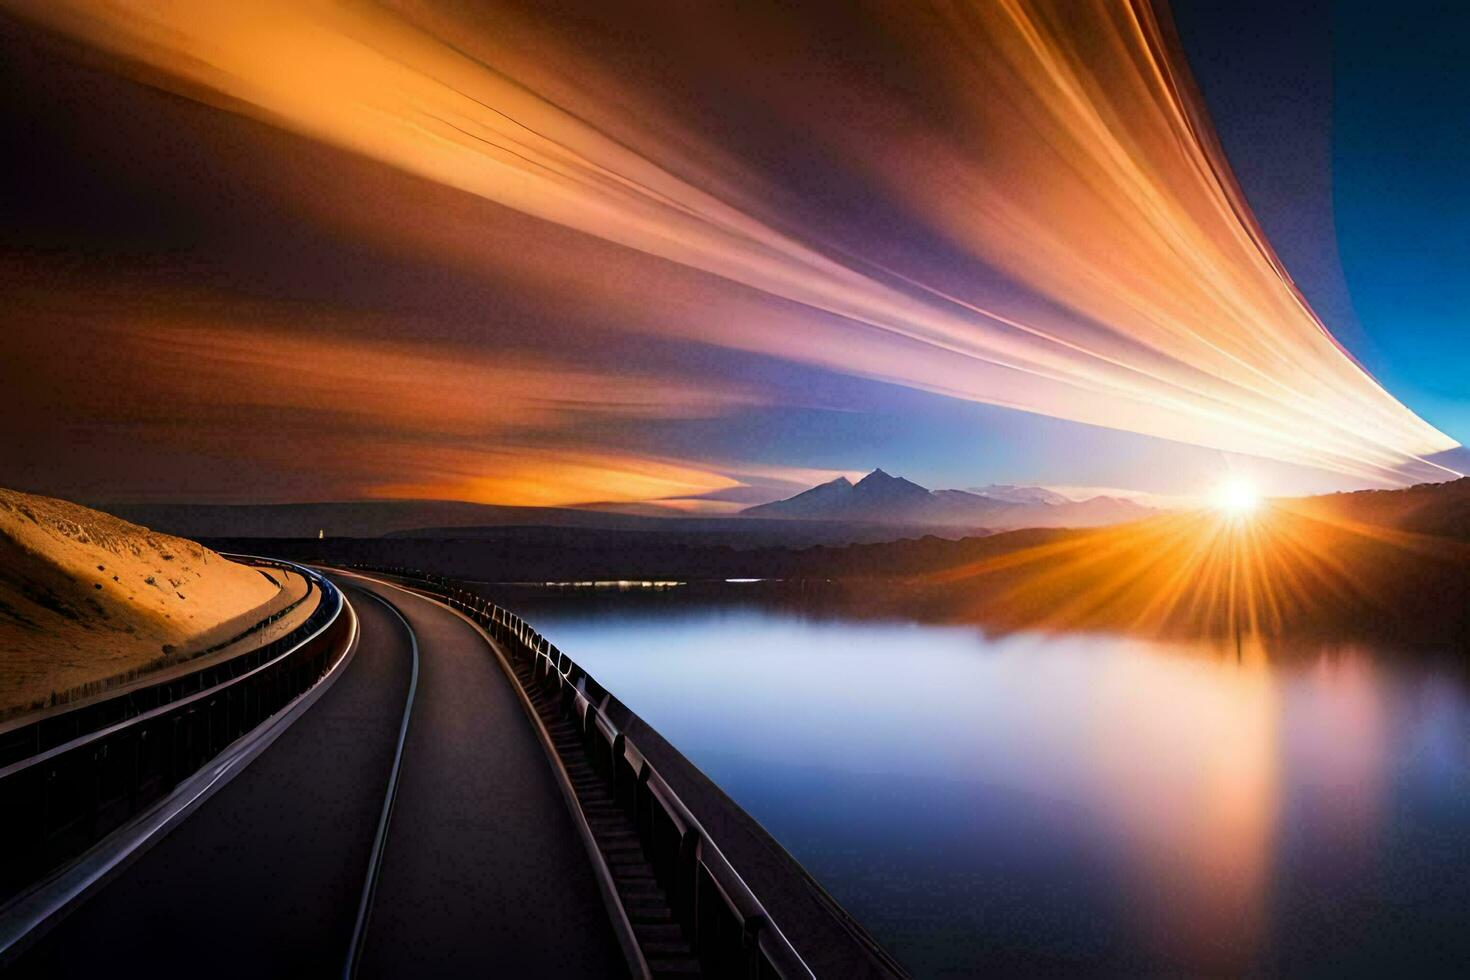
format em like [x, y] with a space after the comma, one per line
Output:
[1083, 173]
[534, 476]
[411, 385]
[270, 389]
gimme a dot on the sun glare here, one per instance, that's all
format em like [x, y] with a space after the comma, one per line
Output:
[1236, 497]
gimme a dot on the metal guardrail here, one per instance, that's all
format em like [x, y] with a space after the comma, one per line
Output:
[21, 739]
[730, 930]
[66, 783]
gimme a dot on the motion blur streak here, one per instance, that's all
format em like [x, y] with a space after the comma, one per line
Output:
[1073, 158]
[538, 477]
[407, 387]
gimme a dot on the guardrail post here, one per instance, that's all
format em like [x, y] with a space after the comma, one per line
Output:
[684, 894]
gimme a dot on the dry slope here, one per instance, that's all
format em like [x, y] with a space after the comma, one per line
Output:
[85, 596]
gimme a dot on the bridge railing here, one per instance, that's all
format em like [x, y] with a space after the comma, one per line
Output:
[729, 928]
[71, 778]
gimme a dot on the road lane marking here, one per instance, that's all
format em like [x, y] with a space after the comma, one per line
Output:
[375, 861]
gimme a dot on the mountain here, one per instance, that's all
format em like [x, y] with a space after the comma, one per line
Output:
[877, 498]
[813, 503]
[880, 498]
[1020, 495]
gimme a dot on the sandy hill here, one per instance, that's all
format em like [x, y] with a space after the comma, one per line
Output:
[85, 596]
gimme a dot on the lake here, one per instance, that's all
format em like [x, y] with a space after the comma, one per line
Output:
[1074, 803]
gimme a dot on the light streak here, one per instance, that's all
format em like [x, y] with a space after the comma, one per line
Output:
[1074, 157]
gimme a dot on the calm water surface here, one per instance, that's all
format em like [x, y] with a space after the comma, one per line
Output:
[1035, 804]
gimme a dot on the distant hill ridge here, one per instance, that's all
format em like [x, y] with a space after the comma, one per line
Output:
[1436, 509]
[879, 507]
[458, 519]
[881, 498]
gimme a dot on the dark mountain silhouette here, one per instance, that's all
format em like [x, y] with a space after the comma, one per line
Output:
[443, 519]
[880, 498]
[1437, 509]
[813, 503]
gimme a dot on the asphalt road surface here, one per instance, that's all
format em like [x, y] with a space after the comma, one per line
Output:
[482, 870]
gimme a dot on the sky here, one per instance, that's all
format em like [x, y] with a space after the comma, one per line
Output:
[1401, 150]
[578, 254]
[1346, 124]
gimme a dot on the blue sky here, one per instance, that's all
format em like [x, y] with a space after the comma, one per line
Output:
[1348, 125]
[1401, 176]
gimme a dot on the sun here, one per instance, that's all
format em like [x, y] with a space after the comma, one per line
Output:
[1236, 497]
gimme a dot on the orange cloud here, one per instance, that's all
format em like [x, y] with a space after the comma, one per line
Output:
[538, 477]
[437, 388]
[275, 390]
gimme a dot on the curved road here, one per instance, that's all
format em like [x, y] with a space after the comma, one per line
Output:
[482, 869]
